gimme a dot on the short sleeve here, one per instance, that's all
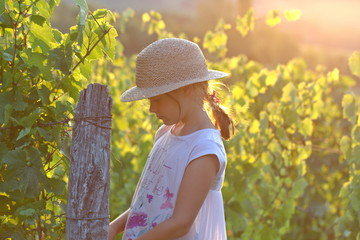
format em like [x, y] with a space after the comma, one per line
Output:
[209, 147]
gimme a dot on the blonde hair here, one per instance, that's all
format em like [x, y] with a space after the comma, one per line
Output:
[220, 115]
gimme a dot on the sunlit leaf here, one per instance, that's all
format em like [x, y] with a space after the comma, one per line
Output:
[333, 76]
[264, 121]
[83, 12]
[345, 146]
[125, 17]
[40, 20]
[255, 127]
[292, 15]
[306, 127]
[354, 64]
[349, 107]
[271, 78]
[273, 18]
[23, 133]
[246, 23]
[2, 6]
[44, 9]
[44, 33]
[298, 187]
[28, 121]
[145, 17]
[289, 93]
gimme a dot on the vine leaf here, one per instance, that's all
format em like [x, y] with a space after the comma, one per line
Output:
[354, 64]
[84, 10]
[292, 15]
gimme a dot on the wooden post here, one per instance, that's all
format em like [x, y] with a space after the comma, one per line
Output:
[89, 182]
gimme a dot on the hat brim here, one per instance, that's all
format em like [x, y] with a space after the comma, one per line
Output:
[136, 93]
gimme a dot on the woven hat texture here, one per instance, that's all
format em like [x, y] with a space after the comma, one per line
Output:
[166, 65]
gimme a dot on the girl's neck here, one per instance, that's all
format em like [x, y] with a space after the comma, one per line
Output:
[196, 121]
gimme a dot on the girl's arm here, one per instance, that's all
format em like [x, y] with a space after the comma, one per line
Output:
[195, 185]
[118, 225]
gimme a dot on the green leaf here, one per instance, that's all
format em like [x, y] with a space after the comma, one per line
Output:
[344, 191]
[57, 186]
[39, 20]
[355, 155]
[145, 17]
[27, 212]
[267, 157]
[45, 134]
[298, 188]
[306, 127]
[345, 146]
[69, 85]
[264, 121]
[289, 93]
[246, 23]
[23, 133]
[86, 69]
[355, 133]
[61, 58]
[333, 76]
[5, 99]
[24, 165]
[7, 56]
[100, 13]
[29, 120]
[292, 15]
[111, 43]
[83, 12]
[34, 58]
[2, 7]
[7, 113]
[126, 15]
[20, 104]
[44, 9]
[43, 33]
[271, 78]
[5, 20]
[44, 94]
[254, 127]
[349, 107]
[273, 18]
[354, 64]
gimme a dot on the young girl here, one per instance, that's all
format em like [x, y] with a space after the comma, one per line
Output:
[178, 195]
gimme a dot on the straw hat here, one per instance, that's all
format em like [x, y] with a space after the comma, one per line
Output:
[166, 65]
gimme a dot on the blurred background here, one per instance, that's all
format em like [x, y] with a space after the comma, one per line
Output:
[326, 34]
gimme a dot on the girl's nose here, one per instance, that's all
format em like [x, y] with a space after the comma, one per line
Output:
[152, 107]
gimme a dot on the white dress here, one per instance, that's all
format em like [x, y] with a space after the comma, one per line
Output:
[155, 197]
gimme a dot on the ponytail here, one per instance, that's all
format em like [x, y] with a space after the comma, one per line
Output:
[220, 116]
[222, 119]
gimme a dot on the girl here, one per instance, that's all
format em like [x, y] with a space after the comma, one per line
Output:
[178, 195]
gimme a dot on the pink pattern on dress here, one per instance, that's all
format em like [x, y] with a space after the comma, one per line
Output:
[137, 219]
[168, 196]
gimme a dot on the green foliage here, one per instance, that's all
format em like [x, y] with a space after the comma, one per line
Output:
[293, 165]
[41, 75]
[246, 23]
[354, 64]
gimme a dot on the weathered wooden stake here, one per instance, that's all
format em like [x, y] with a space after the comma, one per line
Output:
[89, 182]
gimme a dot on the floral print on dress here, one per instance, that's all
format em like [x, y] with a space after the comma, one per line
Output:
[168, 196]
[149, 197]
[137, 219]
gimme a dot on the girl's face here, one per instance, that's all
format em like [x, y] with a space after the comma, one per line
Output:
[166, 108]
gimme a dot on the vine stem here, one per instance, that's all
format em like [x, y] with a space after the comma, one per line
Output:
[91, 49]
